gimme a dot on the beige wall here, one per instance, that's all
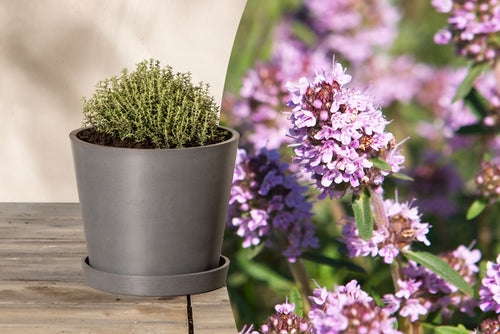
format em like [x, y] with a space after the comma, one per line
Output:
[53, 52]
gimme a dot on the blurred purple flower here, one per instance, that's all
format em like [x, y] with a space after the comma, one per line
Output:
[473, 28]
[364, 27]
[265, 201]
[439, 86]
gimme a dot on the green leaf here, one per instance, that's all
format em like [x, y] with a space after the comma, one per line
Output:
[466, 85]
[477, 103]
[381, 164]
[256, 250]
[475, 129]
[265, 274]
[476, 208]
[304, 33]
[363, 216]
[338, 264]
[296, 298]
[440, 268]
[451, 330]
[402, 176]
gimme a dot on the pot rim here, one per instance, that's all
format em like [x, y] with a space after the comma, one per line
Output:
[234, 137]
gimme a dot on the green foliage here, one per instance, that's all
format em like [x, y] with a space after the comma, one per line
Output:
[363, 215]
[466, 85]
[476, 208]
[152, 105]
[441, 268]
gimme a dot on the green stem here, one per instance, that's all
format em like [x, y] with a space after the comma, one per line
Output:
[379, 214]
[303, 282]
[299, 273]
[496, 71]
[396, 272]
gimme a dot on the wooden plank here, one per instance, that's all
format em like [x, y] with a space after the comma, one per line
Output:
[212, 313]
[40, 210]
[41, 242]
[42, 288]
[47, 307]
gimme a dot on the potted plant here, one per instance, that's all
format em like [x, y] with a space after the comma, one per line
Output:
[154, 172]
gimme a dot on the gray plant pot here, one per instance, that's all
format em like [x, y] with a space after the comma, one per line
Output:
[154, 219]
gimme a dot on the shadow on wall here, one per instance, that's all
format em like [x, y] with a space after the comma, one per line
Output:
[53, 52]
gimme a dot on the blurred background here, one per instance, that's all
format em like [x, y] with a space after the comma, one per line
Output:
[53, 52]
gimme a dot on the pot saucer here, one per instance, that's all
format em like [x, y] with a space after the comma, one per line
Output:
[158, 286]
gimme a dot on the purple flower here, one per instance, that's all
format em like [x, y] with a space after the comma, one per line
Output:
[442, 37]
[442, 6]
[407, 288]
[285, 308]
[267, 203]
[336, 132]
[387, 241]
[489, 292]
[413, 309]
[348, 309]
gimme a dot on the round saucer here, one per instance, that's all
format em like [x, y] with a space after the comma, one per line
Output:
[158, 286]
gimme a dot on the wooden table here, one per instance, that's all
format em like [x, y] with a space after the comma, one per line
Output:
[42, 288]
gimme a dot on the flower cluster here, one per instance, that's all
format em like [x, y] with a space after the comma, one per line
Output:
[348, 309]
[488, 181]
[267, 203]
[387, 241]
[286, 321]
[473, 26]
[337, 131]
[489, 291]
[422, 291]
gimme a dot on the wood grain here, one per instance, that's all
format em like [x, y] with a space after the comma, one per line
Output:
[42, 288]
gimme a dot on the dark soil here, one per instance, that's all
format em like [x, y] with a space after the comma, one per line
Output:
[100, 138]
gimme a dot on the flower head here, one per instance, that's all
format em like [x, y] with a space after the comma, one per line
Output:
[488, 181]
[348, 309]
[404, 228]
[286, 321]
[337, 131]
[266, 201]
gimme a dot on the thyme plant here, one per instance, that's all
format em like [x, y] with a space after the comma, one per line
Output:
[153, 107]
